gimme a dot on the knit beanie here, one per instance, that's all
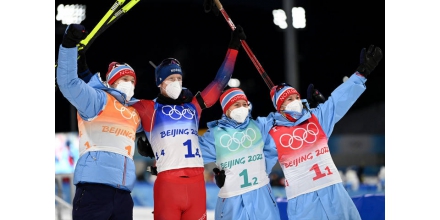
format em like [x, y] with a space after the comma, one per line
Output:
[230, 96]
[167, 67]
[279, 93]
[117, 70]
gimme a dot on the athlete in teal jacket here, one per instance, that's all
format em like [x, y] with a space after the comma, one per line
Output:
[237, 144]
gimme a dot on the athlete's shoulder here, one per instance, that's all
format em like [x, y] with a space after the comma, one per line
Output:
[144, 104]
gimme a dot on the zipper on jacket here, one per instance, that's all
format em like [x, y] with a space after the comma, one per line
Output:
[223, 208]
[125, 171]
[270, 195]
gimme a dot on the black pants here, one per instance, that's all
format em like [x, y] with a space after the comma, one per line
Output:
[101, 202]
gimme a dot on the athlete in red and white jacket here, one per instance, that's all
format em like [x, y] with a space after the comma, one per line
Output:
[171, 123]
[313, 185]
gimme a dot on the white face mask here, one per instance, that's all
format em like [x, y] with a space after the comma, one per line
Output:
[127, 88]
[295, 106]
[239, 114]
[174, 89]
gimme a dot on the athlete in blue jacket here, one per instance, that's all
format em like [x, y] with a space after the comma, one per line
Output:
[237, 144]
[313, 185]
[105, 172]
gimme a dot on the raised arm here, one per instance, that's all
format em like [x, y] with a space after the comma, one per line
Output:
[87, 100]
[346, 94]
[212, 92]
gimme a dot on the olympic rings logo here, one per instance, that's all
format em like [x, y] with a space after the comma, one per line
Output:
[126, 113]
[300, 136]
[176, 114]
[242, 138]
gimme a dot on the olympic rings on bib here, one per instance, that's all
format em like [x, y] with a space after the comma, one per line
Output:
[125, 112]
[176, 114]
[295, 141]
[240, 138]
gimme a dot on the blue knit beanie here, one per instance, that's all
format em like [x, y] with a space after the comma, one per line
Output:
[167, 67]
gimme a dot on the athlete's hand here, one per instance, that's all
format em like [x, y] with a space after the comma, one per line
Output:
[73, 35]
[220, 177]
[369, 59]
[314, 97]
[236, 37]
[143, 145]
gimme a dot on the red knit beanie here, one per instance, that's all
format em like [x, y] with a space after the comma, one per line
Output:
[117, 70]
[279, 93]
[230, 96]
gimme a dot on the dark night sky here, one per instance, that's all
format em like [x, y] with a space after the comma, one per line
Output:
[328, 48]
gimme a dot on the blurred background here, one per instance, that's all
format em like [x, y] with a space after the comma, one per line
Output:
[321, 46]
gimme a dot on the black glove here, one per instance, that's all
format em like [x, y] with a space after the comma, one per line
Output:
[152, 170]
[73, 35]
[83, 70]
[237, 35]
[209, 6]
[143, 145]
[314, 97]
[369, 60]
[220, 177]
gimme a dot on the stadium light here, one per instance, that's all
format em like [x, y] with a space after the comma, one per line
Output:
[279, 18]
[298, 17]
[71, 14]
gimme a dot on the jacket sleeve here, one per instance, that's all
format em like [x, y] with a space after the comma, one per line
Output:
[269, 149]
[212, 92]
[339, 102]
[207, 146]
[146, 111]
[87, 100]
